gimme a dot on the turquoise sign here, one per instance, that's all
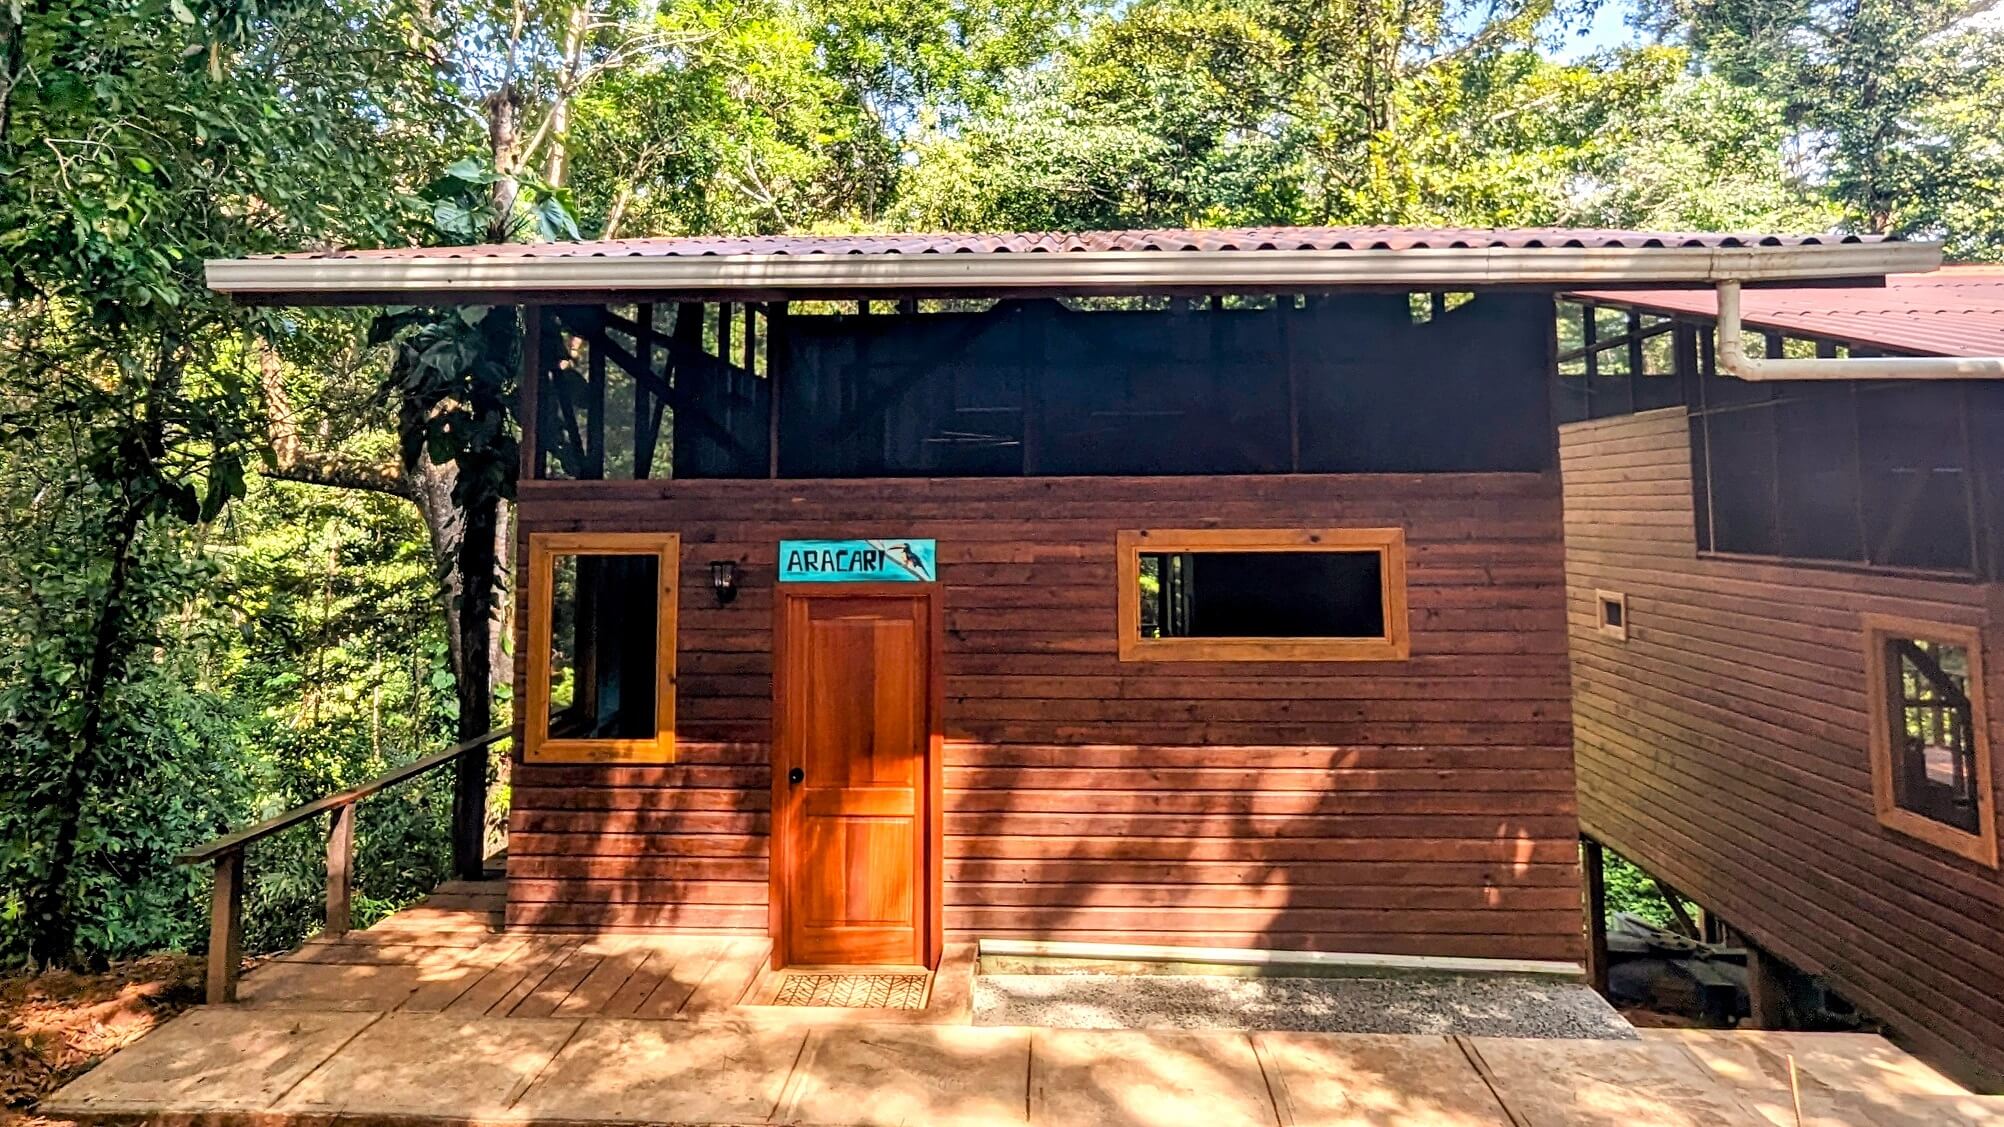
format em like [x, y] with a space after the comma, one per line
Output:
[856, 561]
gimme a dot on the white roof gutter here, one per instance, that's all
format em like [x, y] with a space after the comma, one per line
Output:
[557, 275]
[1732, 357]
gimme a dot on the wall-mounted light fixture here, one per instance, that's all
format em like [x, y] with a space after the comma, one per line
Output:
[724, 580]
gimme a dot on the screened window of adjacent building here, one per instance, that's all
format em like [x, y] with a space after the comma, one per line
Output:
[1892, 474]
[1869, 474]
[1614, 361]
[1263, 595]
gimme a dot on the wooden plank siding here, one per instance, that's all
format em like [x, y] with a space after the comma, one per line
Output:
[1422, 806]
[1724, 745]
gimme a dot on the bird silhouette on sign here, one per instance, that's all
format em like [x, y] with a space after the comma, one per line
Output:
[900, 553]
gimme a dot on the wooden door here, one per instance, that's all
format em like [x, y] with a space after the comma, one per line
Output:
[855, 876]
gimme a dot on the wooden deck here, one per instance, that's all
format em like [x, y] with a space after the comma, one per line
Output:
[448, 954]
[436, 1019]
[436, 959]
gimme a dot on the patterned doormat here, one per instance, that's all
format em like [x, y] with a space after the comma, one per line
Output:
[853, 991]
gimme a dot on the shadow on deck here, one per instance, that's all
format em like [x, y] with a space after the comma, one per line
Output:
[449, 954]
[436, 1016]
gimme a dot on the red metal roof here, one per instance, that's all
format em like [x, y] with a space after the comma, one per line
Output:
[1955, 311]
[1241, 238]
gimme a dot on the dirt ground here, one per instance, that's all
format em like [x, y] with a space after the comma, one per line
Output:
[54, 1026]
[1642, 1017]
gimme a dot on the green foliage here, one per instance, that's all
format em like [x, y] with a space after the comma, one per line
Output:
[169, 765]
[1892, 104]
[452, 379]
[136, 140]
[142, 138]
[288, 650]
[110, 455]
[1630, 890]
[1704, 154]
[769, 115]
[463, 206]
[336, 671]
[743, 133]
[1221, 112]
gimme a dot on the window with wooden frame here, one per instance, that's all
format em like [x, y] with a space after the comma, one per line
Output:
[601, 647]
[1930, 747]
[1296, 594]
[1612, 607]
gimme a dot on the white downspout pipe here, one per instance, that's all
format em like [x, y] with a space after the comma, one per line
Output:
[1733, 360]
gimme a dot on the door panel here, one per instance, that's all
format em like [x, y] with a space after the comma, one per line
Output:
[855, 723]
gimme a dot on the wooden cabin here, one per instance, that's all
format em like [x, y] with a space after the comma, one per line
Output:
[1782, 600]
[1185, 588]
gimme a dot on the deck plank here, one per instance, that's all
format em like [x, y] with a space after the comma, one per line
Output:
[500, 989]
[680, 981]
[604, 982]
[560, 983]
[729, 977]
[437, 991]
[646, 976]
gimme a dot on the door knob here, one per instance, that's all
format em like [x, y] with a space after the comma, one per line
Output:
[795, 775]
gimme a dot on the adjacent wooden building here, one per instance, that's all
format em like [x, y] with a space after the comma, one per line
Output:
[1782, 600]
[1197, 588]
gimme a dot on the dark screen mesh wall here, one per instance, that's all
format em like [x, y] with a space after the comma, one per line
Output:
[1335, 384]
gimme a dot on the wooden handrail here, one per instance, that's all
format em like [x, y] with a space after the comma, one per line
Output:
[226, 906]
[235, 841]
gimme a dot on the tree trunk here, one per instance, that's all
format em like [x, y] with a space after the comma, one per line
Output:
[54, 935]
[576, 22]
[503, 107]
[13, 29]
[481, 531]
[503, 624]
[431, 488]
[467, 590]
[475, 682]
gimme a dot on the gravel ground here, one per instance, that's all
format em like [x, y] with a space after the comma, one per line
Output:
[1486, 1006]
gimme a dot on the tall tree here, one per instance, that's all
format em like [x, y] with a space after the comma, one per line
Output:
[519, 70]
[1892, 102]
[1205, 112]
[136, 140]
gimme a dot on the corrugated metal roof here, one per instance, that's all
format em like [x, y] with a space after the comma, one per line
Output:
[1955, 311]
[1226, 239]
[786, 267]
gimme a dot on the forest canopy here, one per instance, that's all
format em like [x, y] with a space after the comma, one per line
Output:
[254, 555]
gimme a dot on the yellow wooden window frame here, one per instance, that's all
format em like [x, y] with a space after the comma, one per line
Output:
[1980, 847]
[544, 548]
[1390, 544]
